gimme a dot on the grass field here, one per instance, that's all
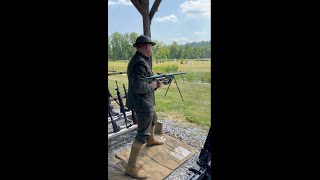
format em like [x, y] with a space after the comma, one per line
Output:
[195, 88]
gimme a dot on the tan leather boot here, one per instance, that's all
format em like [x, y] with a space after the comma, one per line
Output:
[132, 169]
[136, 173]
[152, 141]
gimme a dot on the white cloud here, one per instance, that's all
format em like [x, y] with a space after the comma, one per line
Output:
[182, 40]
[171, 18]
[196, 8]
[200, 33]
[120, 2]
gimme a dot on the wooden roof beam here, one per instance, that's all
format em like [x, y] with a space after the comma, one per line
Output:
[137, 5]
[154, 8]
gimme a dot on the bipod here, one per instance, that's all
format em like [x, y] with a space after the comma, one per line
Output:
[176, 85]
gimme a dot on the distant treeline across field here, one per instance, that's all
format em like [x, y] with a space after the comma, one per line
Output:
[120, 48]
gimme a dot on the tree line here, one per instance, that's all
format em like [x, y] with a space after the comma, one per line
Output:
[120, 48]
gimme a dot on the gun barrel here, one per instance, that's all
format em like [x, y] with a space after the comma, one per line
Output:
[115, 73]
[163, 76]
[177, 73]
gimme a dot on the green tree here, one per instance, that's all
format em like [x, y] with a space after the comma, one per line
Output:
[133, 36]
[116, 45]
[126, 46]
[179, 53]
[162, 51]
[186, 52]
[132, 39]
[109, 49]
[120, 48]
[173, 49]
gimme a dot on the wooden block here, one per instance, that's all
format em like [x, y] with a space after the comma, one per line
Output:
[159, 128]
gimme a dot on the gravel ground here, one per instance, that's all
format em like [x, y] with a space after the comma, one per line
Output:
[193, 136]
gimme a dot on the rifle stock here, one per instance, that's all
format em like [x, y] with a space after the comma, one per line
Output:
[133, 113]
[125, 91]
[115, 127]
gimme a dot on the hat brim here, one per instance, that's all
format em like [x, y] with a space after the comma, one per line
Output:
[152, 43]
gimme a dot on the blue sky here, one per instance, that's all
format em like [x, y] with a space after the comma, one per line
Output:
[176, 20]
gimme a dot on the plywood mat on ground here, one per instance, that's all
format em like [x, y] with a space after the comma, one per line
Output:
[158, 161]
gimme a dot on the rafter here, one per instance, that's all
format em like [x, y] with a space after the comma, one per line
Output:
[154, 8]
[138, 6]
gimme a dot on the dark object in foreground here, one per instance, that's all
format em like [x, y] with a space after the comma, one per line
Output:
[122, 108]
[115, 127]
[202, 170]
[134, 119]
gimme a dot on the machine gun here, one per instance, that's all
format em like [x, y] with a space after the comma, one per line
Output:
[166, 79]
[202, 170]
[122, 109]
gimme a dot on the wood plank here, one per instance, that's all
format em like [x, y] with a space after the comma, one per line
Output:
[123, 130]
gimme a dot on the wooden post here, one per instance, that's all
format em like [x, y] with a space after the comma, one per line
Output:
[143, 7]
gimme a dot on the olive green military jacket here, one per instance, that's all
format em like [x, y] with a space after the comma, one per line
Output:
[140, 93]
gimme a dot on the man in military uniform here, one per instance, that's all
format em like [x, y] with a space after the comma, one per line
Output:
[141, 100]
